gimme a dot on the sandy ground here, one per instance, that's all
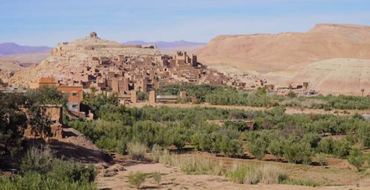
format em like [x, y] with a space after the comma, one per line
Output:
[173, 179]
[289, 110]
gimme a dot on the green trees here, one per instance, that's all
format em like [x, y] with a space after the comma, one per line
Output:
[258, 148]
[298, 152]
[218, 141]
[202, 141]
[337, 148]
[296, 138]
[96, 101]
[45, 96]
[12, 123]
[364, 135]
[276, 148]
[230, 147]
[356, 158]
[326, 146]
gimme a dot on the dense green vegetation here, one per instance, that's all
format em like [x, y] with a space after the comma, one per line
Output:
[297, 138]
[12, 124]
[41, 170]
[219, 95]
[38, 169]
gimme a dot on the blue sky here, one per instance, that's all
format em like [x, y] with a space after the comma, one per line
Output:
[47, 22]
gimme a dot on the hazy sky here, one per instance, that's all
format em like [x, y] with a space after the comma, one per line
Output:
[47, 22]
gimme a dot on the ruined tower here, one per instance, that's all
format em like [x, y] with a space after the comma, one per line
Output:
[93, 35]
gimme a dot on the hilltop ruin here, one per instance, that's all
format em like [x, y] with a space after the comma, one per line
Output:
[106, 66]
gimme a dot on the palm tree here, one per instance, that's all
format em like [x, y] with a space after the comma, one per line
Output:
[362, 91]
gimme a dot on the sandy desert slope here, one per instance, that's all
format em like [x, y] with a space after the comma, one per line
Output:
[288, 51]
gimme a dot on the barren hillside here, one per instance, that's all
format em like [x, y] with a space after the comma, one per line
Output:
[339, 76]
[287, 51]
[10, 65]
[26, 59]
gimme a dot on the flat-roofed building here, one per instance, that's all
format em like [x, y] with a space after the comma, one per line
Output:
[75, 96]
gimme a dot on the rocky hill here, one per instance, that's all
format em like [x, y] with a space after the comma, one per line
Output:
[95, 61]
[66, 58]
[288, 51]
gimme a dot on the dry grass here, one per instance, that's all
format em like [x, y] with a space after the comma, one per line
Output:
[252, 174]
[137, 151]
[238, 173]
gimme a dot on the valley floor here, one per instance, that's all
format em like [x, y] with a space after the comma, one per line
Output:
[173, 179]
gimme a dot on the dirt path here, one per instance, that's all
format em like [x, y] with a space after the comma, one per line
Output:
[289, 110]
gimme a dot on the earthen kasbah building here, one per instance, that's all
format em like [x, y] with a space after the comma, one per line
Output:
[102, 66]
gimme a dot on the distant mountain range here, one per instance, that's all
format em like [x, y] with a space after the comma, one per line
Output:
[13, 48]
[165, 45]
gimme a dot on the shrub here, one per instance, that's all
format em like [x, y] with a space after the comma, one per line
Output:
[219, 169]
[136, 179]
[38, 160]
[196, 166]
[33, 181]
[272, 174]
[164, 157]
[341, 148]
[249, 174]
[157, 176]
[136, 150]
[291, 94]
[244, 174]
[41, 170]
[356, 158]
[321, 158]
[72, 171]
[290, 181]
[156, 153]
